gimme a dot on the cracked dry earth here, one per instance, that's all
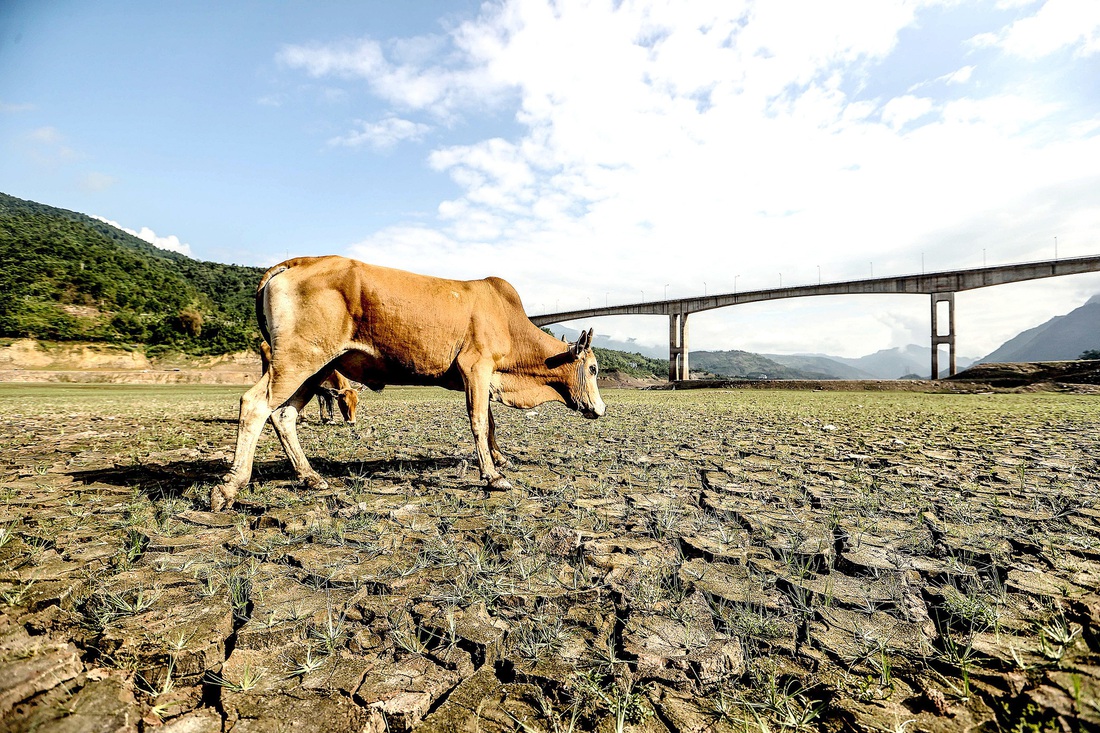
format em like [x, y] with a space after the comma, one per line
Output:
[695, 561]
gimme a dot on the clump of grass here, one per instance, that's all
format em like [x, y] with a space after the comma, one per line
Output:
[615, 695]
[16, 593]
[406, 633]
[248, 679]
[331, 634]
[784, 705]
[308, 664]
[971, 606]
[540, 635]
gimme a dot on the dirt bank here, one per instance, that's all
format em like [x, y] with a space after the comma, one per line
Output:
[27, 360]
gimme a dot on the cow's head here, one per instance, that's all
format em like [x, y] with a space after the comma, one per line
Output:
[584, 395]
[347, 399]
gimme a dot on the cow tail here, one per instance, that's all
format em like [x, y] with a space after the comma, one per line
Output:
[261, 318]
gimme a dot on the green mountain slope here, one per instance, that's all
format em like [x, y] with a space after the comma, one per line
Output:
[746, 364]
[65, 276]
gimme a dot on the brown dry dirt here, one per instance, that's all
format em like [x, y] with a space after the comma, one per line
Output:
[28, 360]
[703, 560]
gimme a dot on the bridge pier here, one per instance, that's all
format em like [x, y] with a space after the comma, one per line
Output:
[678, 347]
[948, 338]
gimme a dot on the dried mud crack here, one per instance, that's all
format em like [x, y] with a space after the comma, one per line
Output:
[710, 560]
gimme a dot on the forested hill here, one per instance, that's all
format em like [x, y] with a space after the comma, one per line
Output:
[65, 276]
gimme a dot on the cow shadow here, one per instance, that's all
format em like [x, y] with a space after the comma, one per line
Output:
[171, 480]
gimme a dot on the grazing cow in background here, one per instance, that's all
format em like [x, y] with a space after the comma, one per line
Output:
[381, 326]
[336, 389]
[333, 388]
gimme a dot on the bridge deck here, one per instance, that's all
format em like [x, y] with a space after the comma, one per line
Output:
[951, 281]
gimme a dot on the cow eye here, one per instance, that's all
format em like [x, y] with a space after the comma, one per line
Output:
[592, 370]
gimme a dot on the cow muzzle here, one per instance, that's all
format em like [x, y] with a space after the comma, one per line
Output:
[593, 412]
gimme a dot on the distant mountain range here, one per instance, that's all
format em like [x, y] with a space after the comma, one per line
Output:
[894, 363]
[910, 361]
[1059, 339]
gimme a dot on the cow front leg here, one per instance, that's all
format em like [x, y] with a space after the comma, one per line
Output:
[324, 404]
[494, 448]
[285, 422]
[477, 405]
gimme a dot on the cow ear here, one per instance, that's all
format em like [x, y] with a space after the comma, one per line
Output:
[577, 348]
[584, 343]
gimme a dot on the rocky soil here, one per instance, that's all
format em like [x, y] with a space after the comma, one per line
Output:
[703, 560]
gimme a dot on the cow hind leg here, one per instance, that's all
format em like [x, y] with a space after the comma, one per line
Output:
[285, 422]
[257, 404]
[494, 448]
[254, 412]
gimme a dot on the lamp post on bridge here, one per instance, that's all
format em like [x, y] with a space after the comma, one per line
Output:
[704, 288]
[605, 297]
[781, 279]
[735, 283]
[666, 292]
[819, 274]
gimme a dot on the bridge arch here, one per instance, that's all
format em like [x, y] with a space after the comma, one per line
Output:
[940, 286]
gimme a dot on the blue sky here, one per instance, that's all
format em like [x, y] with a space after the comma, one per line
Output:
[587, 152]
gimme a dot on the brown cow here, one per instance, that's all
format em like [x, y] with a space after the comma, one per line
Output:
[382, 326]
[337, 389]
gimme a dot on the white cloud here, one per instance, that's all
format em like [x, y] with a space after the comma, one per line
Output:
[902, 110]
[959, 76]
[382, 135]
[720, 142]
[14, 107]
[95, 182]
[45, 135]
[438, 88]
[1056, 25]
[170, 243]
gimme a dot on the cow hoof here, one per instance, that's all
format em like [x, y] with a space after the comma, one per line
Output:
[500, 484]
[315, 482]
[222, 497]
[501, 461]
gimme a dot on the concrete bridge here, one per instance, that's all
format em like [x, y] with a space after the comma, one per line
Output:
[941, 286]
